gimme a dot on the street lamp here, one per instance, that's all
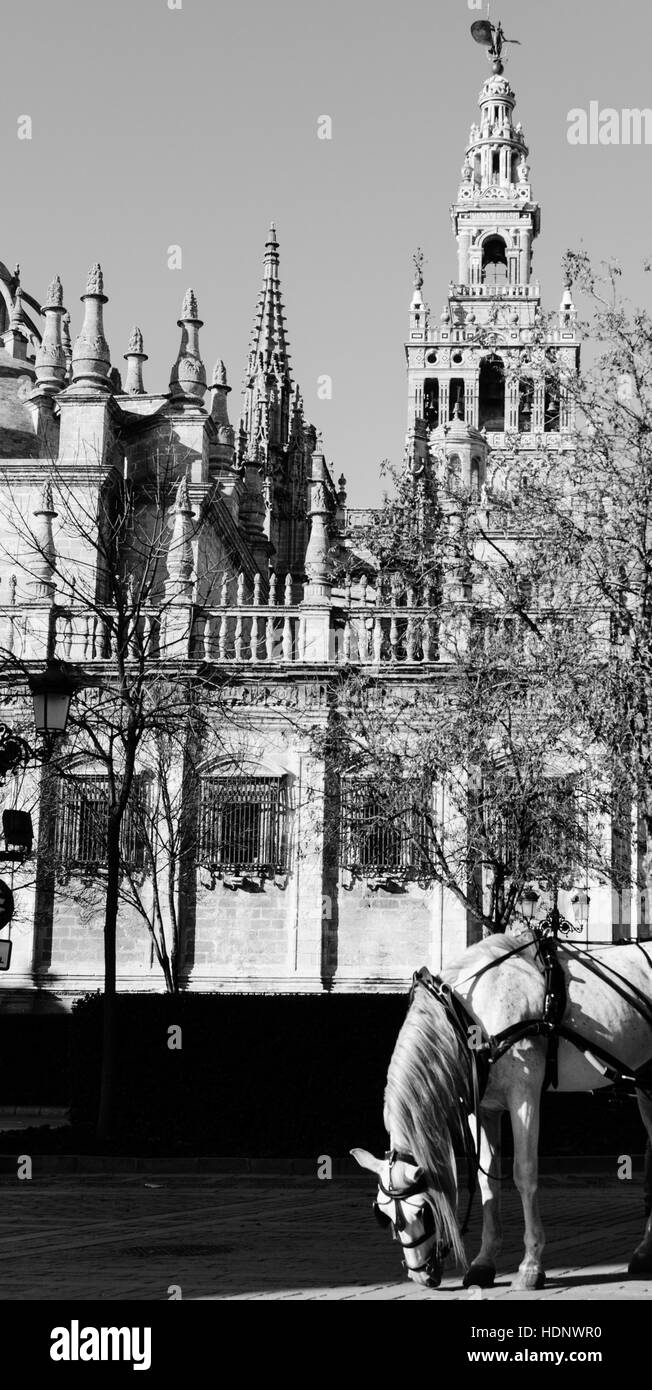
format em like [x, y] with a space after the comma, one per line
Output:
[52, 691]
[529, 900]
[553, 922]
[580, 902]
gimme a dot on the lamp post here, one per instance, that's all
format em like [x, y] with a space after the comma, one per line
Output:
[553, 922]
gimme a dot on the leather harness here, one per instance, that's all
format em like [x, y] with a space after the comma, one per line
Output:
[489, 1050]
[551, 1025]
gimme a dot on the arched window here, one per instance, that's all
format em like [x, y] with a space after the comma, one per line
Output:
[525, 404]
[456, 398]
[551, 402]
[492, 394]
[454, 473]
[475, 477]
[494, 261]
[431, 402]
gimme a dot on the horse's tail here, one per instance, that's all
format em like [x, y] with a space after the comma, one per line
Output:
[427, 1101]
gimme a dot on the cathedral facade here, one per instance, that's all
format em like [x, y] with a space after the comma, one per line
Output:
[247, 540]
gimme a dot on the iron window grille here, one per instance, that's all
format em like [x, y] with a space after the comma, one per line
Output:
[549, 838]
[383, 834]
[243, 825]
[82, 823]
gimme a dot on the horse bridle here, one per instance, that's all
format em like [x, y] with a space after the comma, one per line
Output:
[399, 1195]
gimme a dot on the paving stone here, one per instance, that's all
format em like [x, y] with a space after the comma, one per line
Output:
[220, 1237]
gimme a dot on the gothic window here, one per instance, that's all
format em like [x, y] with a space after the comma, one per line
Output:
[431, 402]
[525, 404]
[243, 824]
[492, 394]
[382, 832]
[494, 261]
[82, 823]
[456, 397]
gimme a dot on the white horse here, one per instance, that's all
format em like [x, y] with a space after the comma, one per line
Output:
[429, 1093]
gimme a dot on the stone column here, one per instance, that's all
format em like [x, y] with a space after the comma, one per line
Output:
[317, 591]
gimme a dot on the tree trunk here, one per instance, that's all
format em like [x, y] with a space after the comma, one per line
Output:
[106, 1114]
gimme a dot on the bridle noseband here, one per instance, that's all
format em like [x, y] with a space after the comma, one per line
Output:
[398, 1196]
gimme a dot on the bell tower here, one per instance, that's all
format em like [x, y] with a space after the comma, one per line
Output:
[492, 361]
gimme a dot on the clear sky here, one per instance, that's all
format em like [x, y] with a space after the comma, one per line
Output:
[196, 126]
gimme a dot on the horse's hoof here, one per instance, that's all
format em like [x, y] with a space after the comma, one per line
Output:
[640, 1264]
[479, 1275]
[530, 1279]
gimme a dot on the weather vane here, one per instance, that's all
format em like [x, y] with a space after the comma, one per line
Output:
[492, 37]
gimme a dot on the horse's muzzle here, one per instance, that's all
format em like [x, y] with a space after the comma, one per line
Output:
[429, 1278]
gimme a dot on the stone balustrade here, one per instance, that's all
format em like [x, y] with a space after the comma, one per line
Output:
[358, 625]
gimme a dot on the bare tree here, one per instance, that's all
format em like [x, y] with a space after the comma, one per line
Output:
[110, 593]
[485, 772]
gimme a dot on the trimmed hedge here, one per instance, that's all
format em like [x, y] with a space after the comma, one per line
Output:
[256, 1076]
[35, 1059]
[284, 1076]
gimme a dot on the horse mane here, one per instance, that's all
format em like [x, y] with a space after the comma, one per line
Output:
[427, 1100]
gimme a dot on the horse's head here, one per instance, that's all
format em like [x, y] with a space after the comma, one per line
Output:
[403, 1202]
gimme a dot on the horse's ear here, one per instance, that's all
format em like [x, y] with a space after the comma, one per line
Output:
[367, 1160]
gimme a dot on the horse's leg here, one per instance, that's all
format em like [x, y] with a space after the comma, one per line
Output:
[483, 1270]
[641, 1261]
[524, 1112]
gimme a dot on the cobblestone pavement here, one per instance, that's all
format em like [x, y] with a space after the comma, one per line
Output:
[257, 1238]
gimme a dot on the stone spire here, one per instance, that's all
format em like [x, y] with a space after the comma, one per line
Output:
[91, 360]
[51, 366]
[219, 392]
[188, 377]
[17, 317]
[45, 559]
[15, 339]
[268, 381]
[134, 357]
[269, 346]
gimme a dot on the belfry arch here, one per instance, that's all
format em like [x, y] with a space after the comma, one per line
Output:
[494, 261]
[491, 393]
